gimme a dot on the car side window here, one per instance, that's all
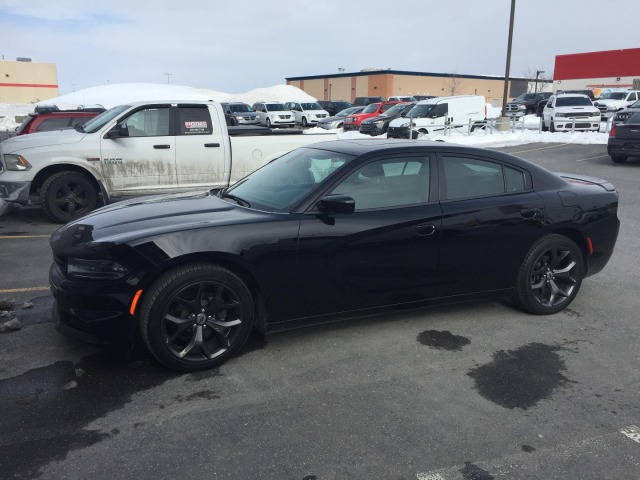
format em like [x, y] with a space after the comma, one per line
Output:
[470, 177]
[388, 183]
[148, 122]
[195, 121]
[439, 110]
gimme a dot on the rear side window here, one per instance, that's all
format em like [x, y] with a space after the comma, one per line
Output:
[470, 177]
[195, 121]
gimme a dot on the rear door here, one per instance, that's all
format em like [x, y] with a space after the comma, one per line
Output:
[491, 217]
[202, 160]
[143, 160]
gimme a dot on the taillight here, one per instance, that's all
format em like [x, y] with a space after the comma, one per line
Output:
[612, 132]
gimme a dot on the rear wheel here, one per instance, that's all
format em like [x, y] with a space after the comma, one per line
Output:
[550, 276]
[66, 196]
[552, 128]
[196, 316]
[618, 158]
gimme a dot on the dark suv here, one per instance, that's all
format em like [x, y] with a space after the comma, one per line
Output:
[364, 101]
[525, 104]
[333, 106]
[50, 117]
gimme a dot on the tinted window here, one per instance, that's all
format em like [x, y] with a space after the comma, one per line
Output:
[468, 177]
[388, 183]
[53, 124]
[195, 121]
[514, 179]
[573, 101]
[149, 122]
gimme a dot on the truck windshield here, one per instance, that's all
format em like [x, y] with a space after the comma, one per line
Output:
[613, 96]
[526, 97]
[101, 120]
[282, 183]
[573, 101]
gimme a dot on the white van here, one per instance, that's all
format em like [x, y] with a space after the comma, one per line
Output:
[434, 114]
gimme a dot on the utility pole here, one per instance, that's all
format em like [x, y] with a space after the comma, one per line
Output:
[506, 73]
[538, 72]
[168, 75]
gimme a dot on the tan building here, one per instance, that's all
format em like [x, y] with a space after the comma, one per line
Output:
[384, 83]
[24, 81]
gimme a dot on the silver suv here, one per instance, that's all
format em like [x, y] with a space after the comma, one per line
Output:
[274, 114]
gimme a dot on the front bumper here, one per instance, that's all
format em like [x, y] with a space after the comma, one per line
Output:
[370, 129]
[588, 124]
[350, 127]
[398, 132]
[17, 192]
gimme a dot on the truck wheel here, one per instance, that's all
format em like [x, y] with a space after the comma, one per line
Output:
[267, 122]
[66, 196]
[618, 158]
[552, 128]
[304, 121]
[196, 316]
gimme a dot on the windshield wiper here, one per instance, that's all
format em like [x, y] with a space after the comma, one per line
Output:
[240, 201]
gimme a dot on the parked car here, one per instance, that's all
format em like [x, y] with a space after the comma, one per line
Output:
[364, 101]
[402, 98]
[569, 112]
[367, 225]
[306, 113]
[337, 121]
[48, 118]
[624, 139]
[274, 114]
[438, 113]
[333, 107]
[239, 113]
[141, 148]
[378, 125]
[525, 104]
[540, 107]
[419, 98]
[613, 101]
[621, 115]
[352, 122]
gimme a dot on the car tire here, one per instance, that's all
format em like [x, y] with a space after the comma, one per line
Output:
[232, 122]
[552, 127]
[545, 128]
[550, 276]
[66, 196]
[196, 316]
[304, 121]
[618, 158]
[267, 123]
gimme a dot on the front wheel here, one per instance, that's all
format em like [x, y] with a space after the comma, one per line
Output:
[618, 158]
[196, 316]
[544, 127]
[552, 127]
[267, 122]
[304, 121]
[66, 196]
[550, 276]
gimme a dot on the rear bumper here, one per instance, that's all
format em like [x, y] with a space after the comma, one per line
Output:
[623, 147]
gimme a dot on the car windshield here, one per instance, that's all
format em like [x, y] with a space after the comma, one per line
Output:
[371, 108]
[396, 109]
[420, 111]
[240, 108]
[311, 106]
[282, 183]
[348, 111]
[96, 123]
[573, 101]
[613, 96]
[275, 107]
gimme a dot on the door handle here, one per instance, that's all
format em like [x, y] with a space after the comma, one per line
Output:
[425, 230]
[530, 212]
[211, 144]
[161, 147]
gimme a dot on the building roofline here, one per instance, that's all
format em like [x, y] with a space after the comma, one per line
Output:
[403, 72]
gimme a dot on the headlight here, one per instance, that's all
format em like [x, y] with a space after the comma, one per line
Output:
[16, 162]
[95, 269]
[379, 123]
[404, 125]
[521, 107]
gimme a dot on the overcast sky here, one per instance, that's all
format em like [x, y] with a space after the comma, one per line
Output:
[235, 46]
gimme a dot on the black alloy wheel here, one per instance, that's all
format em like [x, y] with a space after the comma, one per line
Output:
[550, 276]
[66, 196]
[196, 316]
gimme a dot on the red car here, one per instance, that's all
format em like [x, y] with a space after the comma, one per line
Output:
[48, 118]
[352, 122]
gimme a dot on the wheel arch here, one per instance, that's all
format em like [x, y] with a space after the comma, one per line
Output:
[577, 238]
[45, 173]
[214, 258]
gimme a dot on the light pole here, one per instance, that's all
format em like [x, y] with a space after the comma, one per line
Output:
[168, 75]
[329, 92]
[538, 72]
[506, 73]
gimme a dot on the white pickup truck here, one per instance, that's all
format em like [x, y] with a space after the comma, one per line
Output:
[136, 149]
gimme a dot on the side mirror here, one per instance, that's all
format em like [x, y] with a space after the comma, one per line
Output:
[337, 204]
[120, 130]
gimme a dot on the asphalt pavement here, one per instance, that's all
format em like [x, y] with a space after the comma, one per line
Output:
[474, 391]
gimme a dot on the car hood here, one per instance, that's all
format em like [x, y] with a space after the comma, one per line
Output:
[378, 117]
[331, 119]
[42, 139]
[141, 218]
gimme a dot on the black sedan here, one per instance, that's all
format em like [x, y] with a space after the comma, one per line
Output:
[624, 139]
[338, 229]
[378, 125]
